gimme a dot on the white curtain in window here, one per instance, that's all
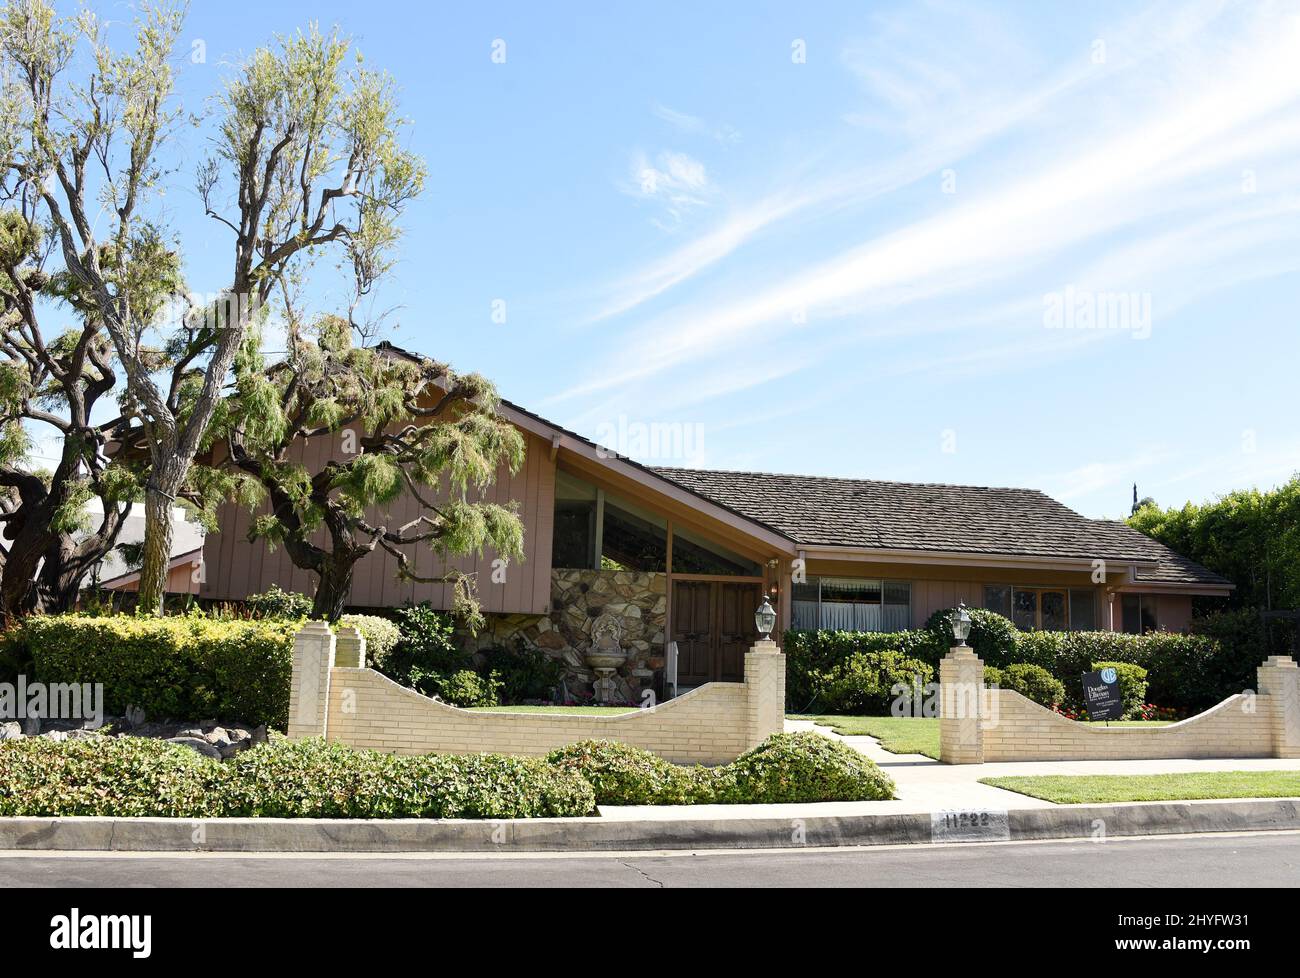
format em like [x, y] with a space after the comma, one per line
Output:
[804, 615]
[897, 618]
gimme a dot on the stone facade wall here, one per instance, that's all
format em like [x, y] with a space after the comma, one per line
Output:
[979, 726]
[637, 599]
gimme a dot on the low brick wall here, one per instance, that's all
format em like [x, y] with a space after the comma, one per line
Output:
[1025, 731]
[978, 725]
[710, 725]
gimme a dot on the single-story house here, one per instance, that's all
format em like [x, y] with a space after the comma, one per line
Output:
[685, 556]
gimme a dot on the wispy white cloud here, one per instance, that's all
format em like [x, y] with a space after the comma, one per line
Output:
[1104, 177]
[694, 125]
[675, 180]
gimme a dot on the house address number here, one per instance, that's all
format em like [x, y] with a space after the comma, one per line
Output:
[970, 825]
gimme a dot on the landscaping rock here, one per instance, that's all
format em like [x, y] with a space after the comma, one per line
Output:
[11, 730]
[197, 744]
[135, 717]
[259, 735]
[31, 726]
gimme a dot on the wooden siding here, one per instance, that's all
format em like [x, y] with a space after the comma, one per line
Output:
[236, 567]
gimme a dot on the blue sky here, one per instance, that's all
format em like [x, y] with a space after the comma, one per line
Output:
[832, 240]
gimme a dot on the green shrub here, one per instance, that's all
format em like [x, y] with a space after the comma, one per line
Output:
[868, 683]
[184, 667]
[809, 653]
[626, 775]
[525, 674]
[121, 776]
[801, 767]
[1132, 686]
[465, 687]
[992, 676]
[1034, 683]
[992, 637]
[275, 603]
[315, 779]
[381, 635]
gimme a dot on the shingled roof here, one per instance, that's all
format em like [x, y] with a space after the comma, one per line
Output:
[814, 510]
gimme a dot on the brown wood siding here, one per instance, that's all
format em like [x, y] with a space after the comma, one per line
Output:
[236, 567]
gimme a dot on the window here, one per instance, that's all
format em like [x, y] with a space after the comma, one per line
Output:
[997, 597]
[852, 604]
[1139, 613]
[596, 530]
[1083, 610]
[694, 555]
[1043, 609]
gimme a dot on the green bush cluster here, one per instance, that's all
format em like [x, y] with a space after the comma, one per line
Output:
[794, 767]
[1034, 683]
[185, 666]
[868, 683]
[1188, 673]
[381, 635]
[277, 603]
[132, 776]
[1132, 686]
[428, 657]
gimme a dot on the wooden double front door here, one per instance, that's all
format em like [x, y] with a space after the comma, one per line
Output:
[713, 626]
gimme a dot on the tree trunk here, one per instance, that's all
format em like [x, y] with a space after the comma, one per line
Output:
[157, 550]
[335, 584]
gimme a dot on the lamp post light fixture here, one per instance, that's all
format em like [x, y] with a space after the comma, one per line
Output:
[959, 618]
[765, 619]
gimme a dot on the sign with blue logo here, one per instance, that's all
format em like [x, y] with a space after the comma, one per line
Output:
[1101, 695]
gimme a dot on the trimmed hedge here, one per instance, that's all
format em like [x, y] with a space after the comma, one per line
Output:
[1188, 673]
[134, 776]
[315, 779]
[185, 666]
[121, 776]
[793, 767]
[626, 775]
[866, 682]
[381, 635]
[1132, 686]
[1034, 683]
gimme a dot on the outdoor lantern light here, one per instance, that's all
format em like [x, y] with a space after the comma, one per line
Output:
[960, 619]
[765, 619]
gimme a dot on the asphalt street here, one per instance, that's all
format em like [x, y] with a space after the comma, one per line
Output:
[1246, 860]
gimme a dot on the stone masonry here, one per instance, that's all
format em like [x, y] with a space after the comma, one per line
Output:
[639, 602]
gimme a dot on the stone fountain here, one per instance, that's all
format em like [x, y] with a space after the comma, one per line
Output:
[604, 656]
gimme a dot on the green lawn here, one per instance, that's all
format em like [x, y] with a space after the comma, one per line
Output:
[562, 710]
[914, 735]
[1098, 788]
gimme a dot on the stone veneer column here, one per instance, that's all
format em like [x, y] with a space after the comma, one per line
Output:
[349, 648]
[961, 701]
[1279, 680]
[309, 687]
[764, 691]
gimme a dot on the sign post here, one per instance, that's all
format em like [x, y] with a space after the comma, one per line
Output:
[1101, 695]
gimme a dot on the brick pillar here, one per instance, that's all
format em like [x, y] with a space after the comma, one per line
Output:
[349, 648]
[961, 702]
[764, 691]
[309, 687]
[1279, 680]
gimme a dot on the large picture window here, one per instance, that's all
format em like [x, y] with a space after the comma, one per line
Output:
[852, 604]
[1139, 613]
[1043, 608]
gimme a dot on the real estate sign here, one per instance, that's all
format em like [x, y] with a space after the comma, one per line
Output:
[1101, 695]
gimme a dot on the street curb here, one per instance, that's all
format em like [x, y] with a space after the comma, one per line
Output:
[602, 834]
